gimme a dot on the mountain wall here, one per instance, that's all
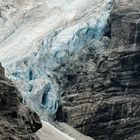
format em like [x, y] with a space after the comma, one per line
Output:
[101, 85]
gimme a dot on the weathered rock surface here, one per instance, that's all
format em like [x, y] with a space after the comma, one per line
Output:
[17, 122]
[102, 88]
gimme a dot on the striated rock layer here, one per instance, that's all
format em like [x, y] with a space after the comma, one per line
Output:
[17, 122]
[102, 84]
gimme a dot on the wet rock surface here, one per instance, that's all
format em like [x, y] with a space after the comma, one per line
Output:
[101, 95]
[17, 122]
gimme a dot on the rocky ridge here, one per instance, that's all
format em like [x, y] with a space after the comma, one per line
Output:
[100, 85]
[17, 122]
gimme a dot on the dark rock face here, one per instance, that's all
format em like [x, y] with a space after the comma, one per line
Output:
[102, 89]
[17, 122]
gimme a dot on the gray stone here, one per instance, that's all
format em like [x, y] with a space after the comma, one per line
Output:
[102, 89]
[17, 122]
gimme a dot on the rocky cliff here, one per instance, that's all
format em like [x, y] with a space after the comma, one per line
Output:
[17, 122]
[101, 84]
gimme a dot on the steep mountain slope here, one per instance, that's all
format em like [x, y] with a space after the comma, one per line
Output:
[102, 83]
[16, 120]
[65, 59]
[37, 36]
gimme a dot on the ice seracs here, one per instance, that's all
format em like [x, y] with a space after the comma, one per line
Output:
[46, 34]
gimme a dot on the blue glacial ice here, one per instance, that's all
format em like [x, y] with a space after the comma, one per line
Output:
[34, 74]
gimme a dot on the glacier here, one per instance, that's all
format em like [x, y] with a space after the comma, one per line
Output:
[41, 36]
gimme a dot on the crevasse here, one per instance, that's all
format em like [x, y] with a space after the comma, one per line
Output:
[34, 74]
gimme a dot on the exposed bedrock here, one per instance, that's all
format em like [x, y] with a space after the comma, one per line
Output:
[17, 122]
[102, 84]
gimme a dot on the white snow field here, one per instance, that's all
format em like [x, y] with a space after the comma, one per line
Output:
[49, 132]
[37, 35]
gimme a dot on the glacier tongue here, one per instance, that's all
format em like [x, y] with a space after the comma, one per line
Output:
[46, 34]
